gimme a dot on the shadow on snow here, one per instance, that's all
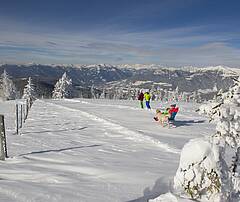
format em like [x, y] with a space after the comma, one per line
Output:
[54, 131]
[60, 150]
[187, 122]
[161, 186]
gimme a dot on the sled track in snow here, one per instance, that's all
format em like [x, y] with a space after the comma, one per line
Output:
[129, 134]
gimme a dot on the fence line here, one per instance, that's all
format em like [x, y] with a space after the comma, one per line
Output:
[22, 110]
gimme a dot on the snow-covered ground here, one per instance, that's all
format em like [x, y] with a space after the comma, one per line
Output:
[93, 150]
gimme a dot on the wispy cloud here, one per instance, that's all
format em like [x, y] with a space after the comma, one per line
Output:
[178, 46]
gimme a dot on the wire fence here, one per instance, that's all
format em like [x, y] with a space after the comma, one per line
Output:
[22, 110]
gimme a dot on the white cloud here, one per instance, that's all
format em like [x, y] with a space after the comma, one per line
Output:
[179, 46]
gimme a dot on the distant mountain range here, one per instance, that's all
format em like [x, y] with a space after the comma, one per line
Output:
[103, 76]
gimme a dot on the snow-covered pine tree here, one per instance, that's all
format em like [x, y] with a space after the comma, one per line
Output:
[215, 89]
[194, 96]
[153, 91]
[208, 175]
[176, 94]
[8, 88]
[160, 95]
[93, 92]
[103, 94]
[182, 96]
[29, 91]
[219, 95]
[170, 96]
[136, 93]
[81, 94]
[228, 134]
[109, 94]
[166, 94]
[186, 96]
[62, 88]
[118, 93]
[114, 94]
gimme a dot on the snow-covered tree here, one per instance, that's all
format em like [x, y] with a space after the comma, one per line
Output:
[8, 88]
[228, 131]
[136, 93]
[29, 91]
[176, 94]
[219, 95]
[194, 96]
[93, 92]
[208, 175]
[103, 94]
[166, 93]
[81, 94]
[185, 96]
[128, 94]
[118, 93]
[62, 88]
[215, 89]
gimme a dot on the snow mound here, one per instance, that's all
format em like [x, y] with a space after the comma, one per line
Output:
[165, 197]
[197, 173]
[169, 197]
[203, 152]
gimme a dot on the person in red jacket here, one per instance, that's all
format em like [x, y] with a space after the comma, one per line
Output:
[140, 98]
[173, 112]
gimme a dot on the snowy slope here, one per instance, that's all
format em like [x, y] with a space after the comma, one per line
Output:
[93, 150]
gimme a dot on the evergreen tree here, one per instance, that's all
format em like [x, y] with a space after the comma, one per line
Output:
[176, 94]
[211, 176]
[103, 94]
[8, 88]
[215, 89]
[166, 94]
[118, 94]
[160, 95]
[184, 96]
[29, 91]
[196, 96]
[62, 88]
[93, 92]
[81, 94]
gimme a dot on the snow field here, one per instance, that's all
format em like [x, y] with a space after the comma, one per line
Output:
[93, 150]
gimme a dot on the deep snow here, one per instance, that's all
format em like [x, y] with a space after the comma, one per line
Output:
[94, 150]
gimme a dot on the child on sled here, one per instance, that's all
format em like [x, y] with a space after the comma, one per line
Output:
[162, 117]
[167, 117]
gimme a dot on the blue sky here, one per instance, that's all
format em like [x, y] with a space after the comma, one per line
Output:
[168, 32]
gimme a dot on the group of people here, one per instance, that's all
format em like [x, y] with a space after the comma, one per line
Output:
[167, 115]
[147, 98]
[164, 116]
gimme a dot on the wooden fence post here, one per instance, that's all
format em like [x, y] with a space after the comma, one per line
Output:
[3, 142]
[27, 109]
[21, 115]
[17, 126]
[24, 112]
